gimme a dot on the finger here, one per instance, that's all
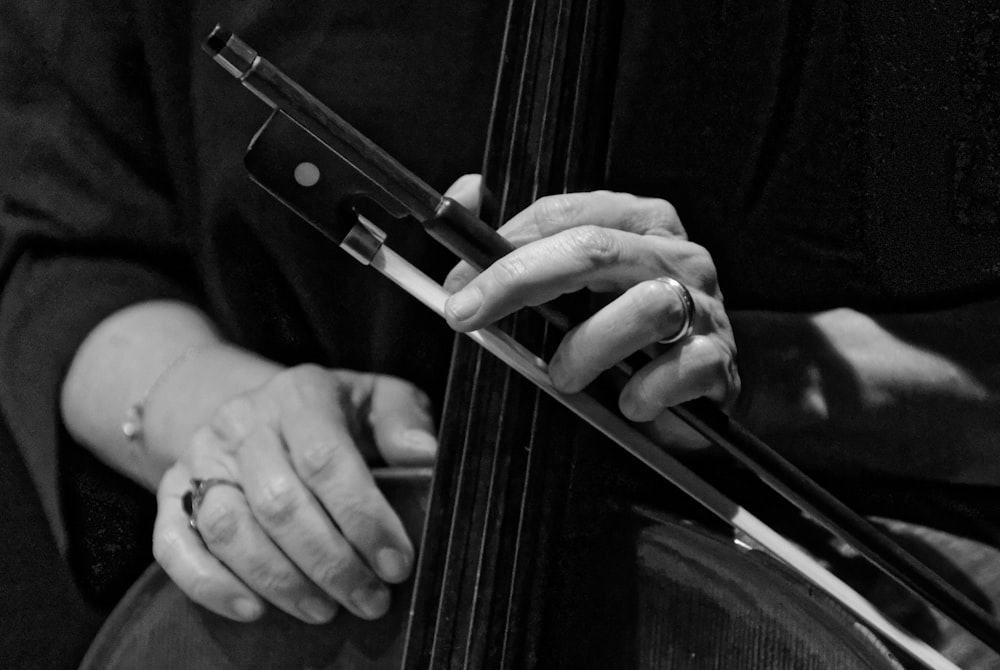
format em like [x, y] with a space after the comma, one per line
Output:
[646, 313]
[699, 366]
[324, 455]
[554, 214]
[232, 534]
[668, 429]
[622, 211]
[589, 257]
[401, 422]
[199, 574]
[294, 520]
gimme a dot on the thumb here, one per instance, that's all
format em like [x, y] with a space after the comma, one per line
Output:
[401, 422]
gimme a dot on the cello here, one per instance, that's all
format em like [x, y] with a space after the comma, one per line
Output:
[535, 552]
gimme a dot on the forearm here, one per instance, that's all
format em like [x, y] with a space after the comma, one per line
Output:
[168, 351]
[911, 395]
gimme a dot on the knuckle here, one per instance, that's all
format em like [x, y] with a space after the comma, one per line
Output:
[303, 373]
[555, 211]
[702, 265]
[719, 321]
[203, 441]
[508, 271]
[664, 210]
[599, 245]
[699, 254]
[714, 365]
[336, 571]
[277, 503]
[317, 461]
[298, 383]
[663, 215]
[217, 524]
[703, 351]
[268, 579]
[234, 418]
[721, 369]
[356, 514]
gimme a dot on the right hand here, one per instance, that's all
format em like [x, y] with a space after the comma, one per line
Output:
[310, 531]
[624, 248]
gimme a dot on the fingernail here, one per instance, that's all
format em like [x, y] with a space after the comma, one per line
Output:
[464, 304]
[317, 610]
[453, 283]
[464, 183]
[373, 601]
[246, 609]
[392, 564]
[419, 441]
[557, 374]
[628, 407]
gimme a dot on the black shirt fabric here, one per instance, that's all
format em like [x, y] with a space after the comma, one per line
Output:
[826, 153]
[126, 144]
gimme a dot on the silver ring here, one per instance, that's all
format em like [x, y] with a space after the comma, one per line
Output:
[687, 307]
[194, 496]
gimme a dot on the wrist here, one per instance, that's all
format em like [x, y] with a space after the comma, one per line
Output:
[133, 425]
[192, 390]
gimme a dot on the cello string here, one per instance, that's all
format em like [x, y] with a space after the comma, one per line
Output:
[536, 153]
[442, 616]
[503, 196]
[511, 138]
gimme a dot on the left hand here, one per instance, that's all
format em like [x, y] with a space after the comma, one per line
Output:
[617, 244]
[301, 523]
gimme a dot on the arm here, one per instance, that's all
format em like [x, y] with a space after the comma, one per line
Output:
[912, 395]
[148, 354]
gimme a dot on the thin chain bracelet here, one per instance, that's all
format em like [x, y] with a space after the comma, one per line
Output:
[132, 426]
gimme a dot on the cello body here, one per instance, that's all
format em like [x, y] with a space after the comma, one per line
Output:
[656, 592]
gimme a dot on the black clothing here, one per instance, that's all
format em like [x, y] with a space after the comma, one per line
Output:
[45, 619]
[127, 141]
[827, 153]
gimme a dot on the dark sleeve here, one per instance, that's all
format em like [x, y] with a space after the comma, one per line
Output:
[87, 221]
